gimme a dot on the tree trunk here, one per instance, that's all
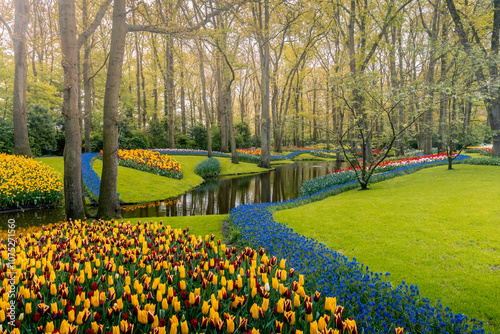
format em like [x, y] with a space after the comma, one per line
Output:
[183, 104]
[87, 85]
[204, 96]
[73, 200]
[138, 79]
[170, 98]
[21, 21]
[265, 159]
[108, 199]
[144, 102]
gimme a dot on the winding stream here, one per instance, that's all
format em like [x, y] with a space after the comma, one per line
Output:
[212, 197]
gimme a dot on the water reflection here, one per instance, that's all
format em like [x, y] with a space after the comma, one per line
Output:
[220, 196]
[212, 197]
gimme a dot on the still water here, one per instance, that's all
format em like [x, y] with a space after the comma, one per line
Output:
[212, 197]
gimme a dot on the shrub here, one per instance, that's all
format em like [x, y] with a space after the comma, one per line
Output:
[6, 136]
[483, 161]
[158, 133]
[42, 130]
[208, 168]
[198, 134]
[242, 135]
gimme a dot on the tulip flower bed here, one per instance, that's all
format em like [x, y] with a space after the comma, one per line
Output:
[349, 174]
[375, 304]
[482, 150]
[149, 161]
[24, 181]
[110, 277]
[253, 151]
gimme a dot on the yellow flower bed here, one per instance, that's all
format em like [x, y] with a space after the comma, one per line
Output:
[26, 181]
[110, 277]
[150, 161]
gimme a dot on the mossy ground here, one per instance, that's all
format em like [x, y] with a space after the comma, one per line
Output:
[437, 228]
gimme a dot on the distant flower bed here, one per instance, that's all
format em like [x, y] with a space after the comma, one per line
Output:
[25, 181]
[349, 174]
[188, 151]
[293, 149]
[149, 278]
[482, 150]
[379, 307]
[149, 161]
[253, 151]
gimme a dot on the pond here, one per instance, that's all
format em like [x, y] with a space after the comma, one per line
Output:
[212, 197]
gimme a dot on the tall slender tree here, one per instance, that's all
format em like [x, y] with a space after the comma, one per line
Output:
[73, 145]
[18, 36]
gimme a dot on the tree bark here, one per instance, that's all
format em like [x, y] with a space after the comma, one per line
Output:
[73, 200]
[170, 93]
[265, 159]
[204, 96]
[87, 85]
[21, 21]
[108, 199]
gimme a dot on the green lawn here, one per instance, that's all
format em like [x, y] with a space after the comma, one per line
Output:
[55, 162]
[308, 157]
[436, 228]
[198, 225]
[136, 186]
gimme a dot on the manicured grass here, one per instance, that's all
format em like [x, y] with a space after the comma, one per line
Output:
[136, 186]
[436, 228]
[308, 157]
[55, 162]
[198, 225]
[227, 168]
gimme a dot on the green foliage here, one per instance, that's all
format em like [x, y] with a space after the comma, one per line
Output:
[158, 133]
[198, 135]
[129, 137]
[6, 136]
[482, 161]
[43, 130]
[208, 168]
[216, 138]
[44, 94]
[242, 135]
[96, 141]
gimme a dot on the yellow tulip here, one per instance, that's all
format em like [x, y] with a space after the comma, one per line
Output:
[27, 309]
[330, 304]
[64, 328]
[230, 325]
[205, 307]
[313, 327]
[49, 328]
[321, 323]
[184, 327]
